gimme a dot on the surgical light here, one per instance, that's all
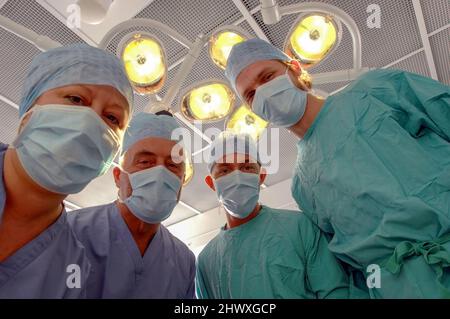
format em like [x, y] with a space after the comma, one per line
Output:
[221, 43]
[145, 63]
[244, 121]
[312, 38]
[207, 101]
[189, 172]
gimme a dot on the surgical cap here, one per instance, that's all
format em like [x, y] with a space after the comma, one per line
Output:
[245, 53]
[74, 64]
[229, 143]
[144, 125]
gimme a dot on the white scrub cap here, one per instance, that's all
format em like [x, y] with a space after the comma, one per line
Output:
[245, 53]
[229, 143]
[144, 125]
[74, 64]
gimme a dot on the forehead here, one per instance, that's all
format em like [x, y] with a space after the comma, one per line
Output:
[111, 92]
[235, 158]
[156, 145]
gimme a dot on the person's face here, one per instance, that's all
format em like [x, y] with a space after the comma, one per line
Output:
[106, 101]
[148, 153]
[232, 162]
[261, 72]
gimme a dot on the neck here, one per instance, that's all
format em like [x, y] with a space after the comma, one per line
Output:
[313, 106]
[235, 222]
[29, 208]
[141, 231]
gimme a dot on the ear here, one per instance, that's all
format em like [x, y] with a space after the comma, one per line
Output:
[296, 67]
[262, 176]
[209, 181]
[24, 120]
[116, 174]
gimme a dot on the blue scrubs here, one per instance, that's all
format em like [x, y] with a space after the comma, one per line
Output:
[52, 265]
[166, 270]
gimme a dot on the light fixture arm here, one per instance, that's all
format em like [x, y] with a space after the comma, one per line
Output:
[338, 76]
[189, 60]
[273, 10]
[41, 42]
[141, 22]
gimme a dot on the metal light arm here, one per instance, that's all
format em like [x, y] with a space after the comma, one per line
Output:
[141, 22]
[42, 42]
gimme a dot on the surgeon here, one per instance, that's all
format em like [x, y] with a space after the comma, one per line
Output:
[75, 106]
[373, 165]
[132, 254]
[261, 252]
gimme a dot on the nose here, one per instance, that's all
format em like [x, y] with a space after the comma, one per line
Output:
[97, 107]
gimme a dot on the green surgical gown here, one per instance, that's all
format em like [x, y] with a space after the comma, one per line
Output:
[373, 170]
[277, 254]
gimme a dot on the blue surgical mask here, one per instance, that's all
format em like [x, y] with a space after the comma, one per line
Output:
[62, 148]
[280, 102]
[238, 192]
[154, 194]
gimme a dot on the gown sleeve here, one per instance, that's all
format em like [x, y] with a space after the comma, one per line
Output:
[325, 276]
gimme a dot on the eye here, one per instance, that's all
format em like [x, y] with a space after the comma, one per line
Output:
[250, 96]
[173, 165]
[145, 163]
[75, 99]
[113, 119]
[268, 77]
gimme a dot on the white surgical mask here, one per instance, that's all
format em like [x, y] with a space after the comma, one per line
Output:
[154, 194]
[63, 148]
[238, 192]
[280, 102]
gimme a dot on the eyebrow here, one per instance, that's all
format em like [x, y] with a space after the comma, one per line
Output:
[84, 87]
[143, 153]
[116, 105]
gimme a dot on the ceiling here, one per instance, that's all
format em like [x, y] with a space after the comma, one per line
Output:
[399, 43]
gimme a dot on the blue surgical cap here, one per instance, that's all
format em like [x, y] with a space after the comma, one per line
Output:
[74, 64]
[144, 125]
[230, 143]
[245, 53]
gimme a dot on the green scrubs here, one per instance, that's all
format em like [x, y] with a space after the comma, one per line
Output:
[277, 254]
[373, 171]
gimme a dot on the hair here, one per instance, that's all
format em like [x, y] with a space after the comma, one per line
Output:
[304, 76]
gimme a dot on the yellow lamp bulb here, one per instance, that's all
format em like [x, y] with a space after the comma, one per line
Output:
[189, 172]
[221, 45]
[144, 61]
[313, 38]
[244, 121]
[208, 102]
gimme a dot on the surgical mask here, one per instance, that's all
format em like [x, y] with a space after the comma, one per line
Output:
[280, 102]
[62, 148]
[154, 194]
[238, 192]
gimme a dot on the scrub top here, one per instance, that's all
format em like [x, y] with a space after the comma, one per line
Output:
[166, 270]
[52, 265]
[373, 171]
[277, 254]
